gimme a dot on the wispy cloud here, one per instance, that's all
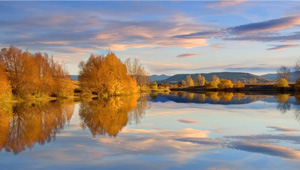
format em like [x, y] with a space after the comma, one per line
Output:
[282, 47]
[188, 55]
[223, 3]
[283, 129]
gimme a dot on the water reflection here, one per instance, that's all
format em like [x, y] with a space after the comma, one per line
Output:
[109, 116]
[24, 124]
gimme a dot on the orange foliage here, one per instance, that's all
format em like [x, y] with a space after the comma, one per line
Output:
[4, 84]
[110, 115]
[34, 74]
[106, 75]
[29, 124]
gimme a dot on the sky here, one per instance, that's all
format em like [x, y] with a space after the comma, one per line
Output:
[168, 37]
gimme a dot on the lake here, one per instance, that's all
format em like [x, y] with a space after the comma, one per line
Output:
[154, 131]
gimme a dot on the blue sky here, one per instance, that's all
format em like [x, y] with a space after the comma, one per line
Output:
[167, 37]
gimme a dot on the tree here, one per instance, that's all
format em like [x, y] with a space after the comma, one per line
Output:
[284, 72]
[153, 85]
[136, 70]
[211, 85]
[183, 83]
[225, 84]
[297, 68]
[200, 80]
[106, 75]
[189, 81]
[34, 74]
[216, 79]
[5, 90]
[253, 80]
[239, 84]
[282, 83]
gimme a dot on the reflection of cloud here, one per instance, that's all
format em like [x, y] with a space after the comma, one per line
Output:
[188, 121]
[284, 129]
[273, 150]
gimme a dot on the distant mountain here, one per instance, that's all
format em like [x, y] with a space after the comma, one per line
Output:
[74, 77]
[244, 77]
[273, 76]
[152, 78]
[159, 77]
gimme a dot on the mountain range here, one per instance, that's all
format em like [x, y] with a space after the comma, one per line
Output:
[222, 75]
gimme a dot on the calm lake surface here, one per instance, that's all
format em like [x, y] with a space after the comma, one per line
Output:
[158, 131]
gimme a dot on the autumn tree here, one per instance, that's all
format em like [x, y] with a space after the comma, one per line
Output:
[189, 81]
[5, 90]
[106, 75]
[183, 83]
[200, 80]
[136, 70]
[215, 78]
[239, 84]
[284, 72]
[225, 84]
[282, 83]
[211, 85]
[34, 74]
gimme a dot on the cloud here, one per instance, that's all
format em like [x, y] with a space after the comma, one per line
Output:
[282, 47]
[267, 26]
[189, 121]
[283, 129]
[223, 3]
[273, 150]
[203, 34]
[188, 55]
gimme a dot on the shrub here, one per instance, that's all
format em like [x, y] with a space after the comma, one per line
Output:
[212, 85]
[282, 83]
[225, 84]
[239, 84]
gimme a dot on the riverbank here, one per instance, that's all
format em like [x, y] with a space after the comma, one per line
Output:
[248, 89]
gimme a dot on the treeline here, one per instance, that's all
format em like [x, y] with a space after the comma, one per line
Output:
[216, 83]
[25, 74]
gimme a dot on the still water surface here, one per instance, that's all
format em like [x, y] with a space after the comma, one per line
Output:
[157, 131]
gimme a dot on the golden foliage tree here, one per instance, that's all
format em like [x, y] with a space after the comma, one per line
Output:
[189, 81]
[215, 78]
[34, 74]
[106, 75]
[212, 85]
[5, 90]
[282, 83]
[239, 84]
[225, 84]
[200, 80]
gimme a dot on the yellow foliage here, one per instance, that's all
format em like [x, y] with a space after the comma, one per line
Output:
[225, 84]
[282, 83]
[189, 81]
[109, 116]
[239, 84]
[212, 85]
[106, 75]
[32, 123]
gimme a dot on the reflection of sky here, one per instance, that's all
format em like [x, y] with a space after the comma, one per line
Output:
[176, 136]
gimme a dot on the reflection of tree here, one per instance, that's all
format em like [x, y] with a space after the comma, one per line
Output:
[225, 96]
[283, 102]
[213, 96]
[30, 123]
[109, 116]
[297, 107]
[239, 96]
